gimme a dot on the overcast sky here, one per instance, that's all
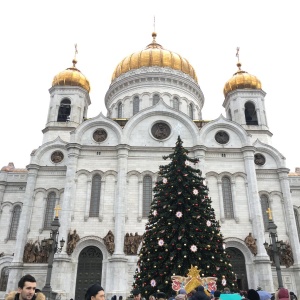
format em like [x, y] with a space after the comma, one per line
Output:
[38, 37]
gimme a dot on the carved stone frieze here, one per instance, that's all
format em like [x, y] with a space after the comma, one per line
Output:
[73, 238]
[131, 243]
[35, 253]
[109, 241]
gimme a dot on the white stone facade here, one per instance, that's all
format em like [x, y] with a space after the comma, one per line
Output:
[130, 152]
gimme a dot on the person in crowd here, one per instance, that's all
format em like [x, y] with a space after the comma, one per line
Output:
[217, 295]
[293, 296]
[136, 294]
[161, 296]
[253, 295]
[173, 295]
[282, 294]
[95, 292]
[26, 290]
[181, 297]
[200, 294]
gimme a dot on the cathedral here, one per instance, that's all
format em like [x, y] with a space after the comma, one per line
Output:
[95, 176]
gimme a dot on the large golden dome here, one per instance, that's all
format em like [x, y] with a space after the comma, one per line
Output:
[241, 80]
[154, 55]
[71, 76]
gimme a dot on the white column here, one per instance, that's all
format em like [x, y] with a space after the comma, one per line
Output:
[16, 267]
[221, 202]
[248, 201]
[234, 201]
[140, 204]
[69, 191]
[62, 273]
[290, 223]
[88, 200]
[102, 193]
[261, 260]
[73, 202]
[117, 283]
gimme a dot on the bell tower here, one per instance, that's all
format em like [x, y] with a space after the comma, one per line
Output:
[69, 101]
[245, 103]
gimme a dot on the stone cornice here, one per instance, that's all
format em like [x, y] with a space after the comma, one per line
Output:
[58, 128]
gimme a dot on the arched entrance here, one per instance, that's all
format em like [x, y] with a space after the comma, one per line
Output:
[237, 260]
[89, 270]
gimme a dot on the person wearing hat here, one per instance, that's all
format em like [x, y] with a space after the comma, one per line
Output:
[136, 294]
[95, 292]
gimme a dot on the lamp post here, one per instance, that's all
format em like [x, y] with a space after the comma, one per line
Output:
[275, 246]
[52, 246]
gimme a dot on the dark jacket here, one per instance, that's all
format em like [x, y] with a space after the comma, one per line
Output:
[200, 294]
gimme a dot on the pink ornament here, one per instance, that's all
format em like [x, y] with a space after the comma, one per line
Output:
[179, 214]
[154, 212]
[195, 192]
[193, 248]
[161, 242]
[223, 281]
[165, 180]
[153, 282]
[208, 223]
[217, 268]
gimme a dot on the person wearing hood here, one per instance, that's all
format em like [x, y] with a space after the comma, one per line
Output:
[200, 294]
[282, 294]
[253, 295]
[26, 290]
[95, 292]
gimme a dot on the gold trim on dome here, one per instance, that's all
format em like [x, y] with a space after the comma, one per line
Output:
[154, 55]
[72, 77]
[241, 80]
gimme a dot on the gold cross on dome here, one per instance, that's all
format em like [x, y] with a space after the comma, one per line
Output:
[57, 209]
[269, 212]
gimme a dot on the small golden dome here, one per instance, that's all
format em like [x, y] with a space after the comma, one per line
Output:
[154, 55]
[71, 76]
[241, 80]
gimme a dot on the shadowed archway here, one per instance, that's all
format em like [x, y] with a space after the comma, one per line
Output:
[89, 270]
[237, 261]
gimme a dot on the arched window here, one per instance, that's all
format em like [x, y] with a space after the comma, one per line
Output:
[95, 196]
[297, 222]
[191, 111]
[264, 200]
[49, 213]
[250, 114]
[4, 279]
[136, 105]
[176, 103]
[155, 99]
[227, 198]
[120, 112]
[147, 195]
[14, 222]
[64, 111]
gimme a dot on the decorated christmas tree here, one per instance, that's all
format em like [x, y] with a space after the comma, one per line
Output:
[182, 230]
